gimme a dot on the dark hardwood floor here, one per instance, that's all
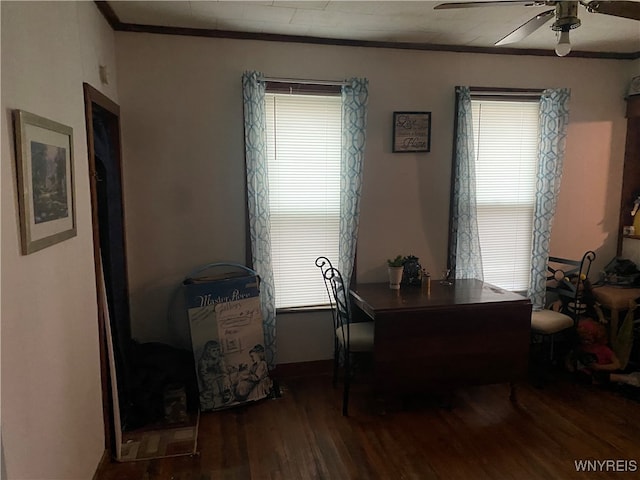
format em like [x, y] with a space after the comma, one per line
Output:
[302, 435]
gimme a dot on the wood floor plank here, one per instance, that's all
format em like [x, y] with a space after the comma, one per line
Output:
[483, 435]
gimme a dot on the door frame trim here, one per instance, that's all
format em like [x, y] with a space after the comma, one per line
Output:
[93, 96]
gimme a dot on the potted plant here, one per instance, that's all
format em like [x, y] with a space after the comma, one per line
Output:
[412, 274]
[395, 269]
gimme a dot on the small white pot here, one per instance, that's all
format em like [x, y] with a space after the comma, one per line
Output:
[395, 277]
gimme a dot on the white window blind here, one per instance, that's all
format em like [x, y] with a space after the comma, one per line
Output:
[304, 147]
[506, 147]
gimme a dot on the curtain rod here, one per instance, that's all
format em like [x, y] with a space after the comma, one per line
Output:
[305, 81]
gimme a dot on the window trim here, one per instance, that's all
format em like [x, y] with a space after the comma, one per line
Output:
[491, 93]
[284, 87]
[277, 86]
[302, 88]
[507, 93]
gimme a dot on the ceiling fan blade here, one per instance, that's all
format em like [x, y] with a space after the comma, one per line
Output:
[505, 3]
[617, 9]
[528, 28]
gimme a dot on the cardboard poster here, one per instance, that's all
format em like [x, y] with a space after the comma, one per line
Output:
[225, 319]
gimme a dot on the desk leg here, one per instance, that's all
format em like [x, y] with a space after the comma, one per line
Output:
[613, 327]
[512, 392]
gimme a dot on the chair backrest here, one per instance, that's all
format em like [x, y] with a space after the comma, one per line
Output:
[324, 264]
[338, 295]
[326, 268]
[342, 311]
[567, 279]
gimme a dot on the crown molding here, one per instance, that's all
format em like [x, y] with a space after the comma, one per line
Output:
[119, 26]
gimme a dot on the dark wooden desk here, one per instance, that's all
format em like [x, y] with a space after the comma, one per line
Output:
[468, 333]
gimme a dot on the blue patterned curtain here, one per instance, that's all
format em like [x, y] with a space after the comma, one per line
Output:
[553, 120]
[354, 121]
[253, 94]
[465, 258]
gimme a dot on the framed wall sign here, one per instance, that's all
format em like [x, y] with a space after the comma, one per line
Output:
[411, 132]
[44, 155]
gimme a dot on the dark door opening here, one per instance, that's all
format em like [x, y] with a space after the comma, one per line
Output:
[104, 149]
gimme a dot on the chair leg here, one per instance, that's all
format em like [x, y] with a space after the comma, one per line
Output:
[347, 382]
[539, 356]
[546, 362]
[336, 362]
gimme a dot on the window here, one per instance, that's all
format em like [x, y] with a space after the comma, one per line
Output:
[506, 149]
[304, 134]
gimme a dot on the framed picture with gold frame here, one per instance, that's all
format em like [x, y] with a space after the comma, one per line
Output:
[44, 157]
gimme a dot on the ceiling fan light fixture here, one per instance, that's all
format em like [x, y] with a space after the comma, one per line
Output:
[565, 23]
[564, 44]
[565, 12]
[566, 19]
[566, 16]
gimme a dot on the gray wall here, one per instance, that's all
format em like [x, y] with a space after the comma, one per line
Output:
[184, 159]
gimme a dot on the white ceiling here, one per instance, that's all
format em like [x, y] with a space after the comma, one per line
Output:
[383, 21]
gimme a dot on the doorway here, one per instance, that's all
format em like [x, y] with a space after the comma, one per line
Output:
[107, 213]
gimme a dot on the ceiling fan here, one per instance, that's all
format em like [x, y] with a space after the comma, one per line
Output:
[565, 13]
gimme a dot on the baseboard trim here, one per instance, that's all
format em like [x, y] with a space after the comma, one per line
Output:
[102, 465]
[302, 369]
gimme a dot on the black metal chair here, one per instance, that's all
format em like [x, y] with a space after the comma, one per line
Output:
[349, 338]
[566, 299]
